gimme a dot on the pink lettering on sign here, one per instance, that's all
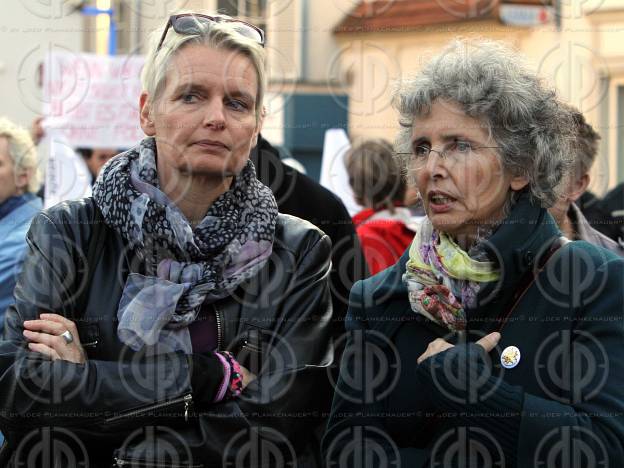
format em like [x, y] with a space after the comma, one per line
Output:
[96, 98]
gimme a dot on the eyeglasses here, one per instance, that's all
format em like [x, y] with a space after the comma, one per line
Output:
[454, 151]
[195, 23]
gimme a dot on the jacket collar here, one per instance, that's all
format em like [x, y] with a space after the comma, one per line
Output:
[516, 246]
[585, 231]
[19, 209]
[13, 203]
[526, 234]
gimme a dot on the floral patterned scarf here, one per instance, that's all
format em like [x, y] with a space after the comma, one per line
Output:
[442, 280]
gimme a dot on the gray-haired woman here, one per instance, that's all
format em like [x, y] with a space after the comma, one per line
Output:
[206, 313]
[493, 341]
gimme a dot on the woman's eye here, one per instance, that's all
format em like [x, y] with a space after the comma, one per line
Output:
[462, 146]
[238, 105]
[189, 98]
[421, 151]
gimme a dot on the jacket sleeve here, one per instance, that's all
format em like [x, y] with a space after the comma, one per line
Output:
[348, 262]
[11, 258]
[356, 432]
[585, 414]
[35, 391]
[286, 402]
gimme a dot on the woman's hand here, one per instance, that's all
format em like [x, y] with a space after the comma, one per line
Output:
[438, 345]
[44, 336]
[248, 377]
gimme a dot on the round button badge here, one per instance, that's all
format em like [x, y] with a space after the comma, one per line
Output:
[510, 357]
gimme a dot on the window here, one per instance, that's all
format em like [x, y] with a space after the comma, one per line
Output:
[251, 9]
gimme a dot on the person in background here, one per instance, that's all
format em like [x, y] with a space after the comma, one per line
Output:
[379, 185]
[568, 215]
[299, 195]
[94, 158]
[612, 207]
[19, 181]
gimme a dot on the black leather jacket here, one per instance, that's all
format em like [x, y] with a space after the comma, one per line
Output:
[128, 406]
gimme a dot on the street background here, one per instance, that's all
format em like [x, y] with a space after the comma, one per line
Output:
[335, 63]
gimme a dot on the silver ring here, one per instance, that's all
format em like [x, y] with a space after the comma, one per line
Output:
[67, 336]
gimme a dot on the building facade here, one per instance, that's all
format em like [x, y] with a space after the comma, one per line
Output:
[335, 63]
[575, 45]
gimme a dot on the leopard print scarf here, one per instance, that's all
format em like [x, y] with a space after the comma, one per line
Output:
[183, 266]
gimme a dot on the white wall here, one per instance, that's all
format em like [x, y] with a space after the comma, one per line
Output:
[323, 49]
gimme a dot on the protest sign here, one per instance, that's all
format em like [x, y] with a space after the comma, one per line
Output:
[93, 100]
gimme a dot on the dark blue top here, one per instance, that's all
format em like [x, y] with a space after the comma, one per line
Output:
[564, 399]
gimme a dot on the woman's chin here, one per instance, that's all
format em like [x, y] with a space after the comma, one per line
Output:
[453, 227]
[443, 222]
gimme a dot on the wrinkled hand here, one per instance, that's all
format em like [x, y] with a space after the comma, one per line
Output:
[488, 343]
[44, 336]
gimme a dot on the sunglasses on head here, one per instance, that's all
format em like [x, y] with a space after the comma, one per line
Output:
[194, 23]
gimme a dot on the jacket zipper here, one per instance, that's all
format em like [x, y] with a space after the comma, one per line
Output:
[123, 462]
[186, 399]
[219, 328]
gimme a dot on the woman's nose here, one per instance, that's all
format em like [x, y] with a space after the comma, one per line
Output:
[214, 115]
[436, 163]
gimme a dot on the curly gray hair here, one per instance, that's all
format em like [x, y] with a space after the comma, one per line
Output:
[493, 84]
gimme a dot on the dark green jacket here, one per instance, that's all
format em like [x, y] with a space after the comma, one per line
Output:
[561, 406]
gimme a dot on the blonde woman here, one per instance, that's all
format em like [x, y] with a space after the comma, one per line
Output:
[207, 316]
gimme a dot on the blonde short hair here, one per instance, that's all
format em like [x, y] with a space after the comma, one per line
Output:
[23, 152]
[217, 36]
